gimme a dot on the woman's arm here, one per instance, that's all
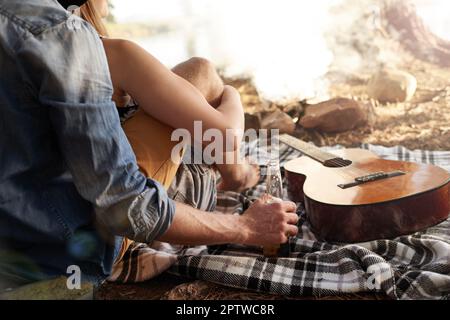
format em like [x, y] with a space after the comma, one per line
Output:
[168, 97]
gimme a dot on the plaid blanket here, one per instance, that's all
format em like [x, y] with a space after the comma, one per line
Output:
[410, 267]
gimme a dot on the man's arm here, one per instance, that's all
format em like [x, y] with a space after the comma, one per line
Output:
[262, 224]
[68, 71]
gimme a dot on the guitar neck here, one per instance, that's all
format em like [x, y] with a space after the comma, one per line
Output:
[307, 149]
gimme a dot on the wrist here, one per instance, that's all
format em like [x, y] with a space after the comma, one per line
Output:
[240, 232]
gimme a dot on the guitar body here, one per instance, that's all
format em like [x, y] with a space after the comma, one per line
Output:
[380, 209]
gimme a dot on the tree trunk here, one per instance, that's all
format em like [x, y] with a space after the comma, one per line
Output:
[403, 23]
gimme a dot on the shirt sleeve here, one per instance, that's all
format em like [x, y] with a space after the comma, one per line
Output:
[67, 68]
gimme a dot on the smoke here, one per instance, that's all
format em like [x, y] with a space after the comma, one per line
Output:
[435, 14]
[355, 38]
[280, 43]
[358, 39]
[287, 46]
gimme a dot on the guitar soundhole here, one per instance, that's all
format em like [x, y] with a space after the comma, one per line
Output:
[337, 163]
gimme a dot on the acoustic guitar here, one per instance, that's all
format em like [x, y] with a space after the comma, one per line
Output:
[353, 196]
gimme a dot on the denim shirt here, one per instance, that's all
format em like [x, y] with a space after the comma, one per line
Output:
[69, 181]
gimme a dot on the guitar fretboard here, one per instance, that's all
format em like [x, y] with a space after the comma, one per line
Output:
[307, 149]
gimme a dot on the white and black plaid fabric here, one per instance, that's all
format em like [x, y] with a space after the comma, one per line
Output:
[127, 112]
[410, 267]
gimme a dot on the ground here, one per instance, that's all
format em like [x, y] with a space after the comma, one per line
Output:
[422, 123]
[168, 287]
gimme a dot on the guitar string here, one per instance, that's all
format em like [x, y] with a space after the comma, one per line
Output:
[347, 172]
[348, 175]
[309, 149]
[342, 167]
[342, 164]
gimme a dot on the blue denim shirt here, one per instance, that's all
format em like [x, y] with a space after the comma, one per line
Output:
[69, 181]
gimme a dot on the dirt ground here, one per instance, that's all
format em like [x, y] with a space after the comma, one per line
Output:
[422, 123]
[168, 287]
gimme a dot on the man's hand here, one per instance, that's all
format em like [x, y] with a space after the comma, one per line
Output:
[262, 225]
[269, 224]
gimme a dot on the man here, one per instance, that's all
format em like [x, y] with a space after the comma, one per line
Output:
[70, 188]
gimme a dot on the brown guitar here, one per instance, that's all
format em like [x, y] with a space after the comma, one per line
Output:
[354, 196]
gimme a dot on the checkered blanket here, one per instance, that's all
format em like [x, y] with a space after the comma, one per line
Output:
[410, 267]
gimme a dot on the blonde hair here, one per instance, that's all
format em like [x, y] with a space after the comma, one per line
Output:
[91, 15]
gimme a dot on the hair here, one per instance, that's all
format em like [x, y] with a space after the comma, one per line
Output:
[91, 15]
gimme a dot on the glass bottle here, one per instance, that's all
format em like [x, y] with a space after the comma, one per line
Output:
[274, 189]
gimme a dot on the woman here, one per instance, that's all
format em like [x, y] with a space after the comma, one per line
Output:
[168, 99]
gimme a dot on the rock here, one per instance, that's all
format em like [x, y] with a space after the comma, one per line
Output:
[294, 109]
[253, 121]
[336, 115]
[278, 120]
[390, 85]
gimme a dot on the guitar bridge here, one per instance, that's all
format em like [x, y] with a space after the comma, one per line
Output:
[371, 178]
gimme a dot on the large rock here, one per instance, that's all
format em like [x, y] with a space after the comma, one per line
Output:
[389, 85]
[278, 120]
[336, 115]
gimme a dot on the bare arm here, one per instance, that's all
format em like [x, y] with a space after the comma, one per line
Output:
[168, 97]
[263, 224]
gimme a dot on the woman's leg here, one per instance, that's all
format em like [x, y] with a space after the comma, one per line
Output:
[203, 75]
[152, 145]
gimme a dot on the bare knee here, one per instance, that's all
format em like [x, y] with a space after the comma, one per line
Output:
[201, 64]
[203, 75]
[202, 68]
